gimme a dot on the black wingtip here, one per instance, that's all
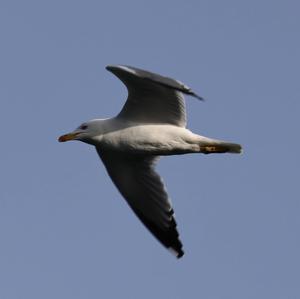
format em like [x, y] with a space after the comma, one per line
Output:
[178, 252]
[110, 67]
[196, 96]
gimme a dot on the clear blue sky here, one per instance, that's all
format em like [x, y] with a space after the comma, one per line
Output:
[65, 232]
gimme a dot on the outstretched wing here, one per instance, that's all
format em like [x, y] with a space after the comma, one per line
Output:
[145, 193]
[152, 98]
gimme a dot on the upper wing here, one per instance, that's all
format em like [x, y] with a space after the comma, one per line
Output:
[152, 98]
[145, 193]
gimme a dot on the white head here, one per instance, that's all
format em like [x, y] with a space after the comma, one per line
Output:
[88, 132]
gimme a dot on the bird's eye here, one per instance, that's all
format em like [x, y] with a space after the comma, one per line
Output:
[83, 127]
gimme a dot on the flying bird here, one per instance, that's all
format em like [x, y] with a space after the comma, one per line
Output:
[152, 123]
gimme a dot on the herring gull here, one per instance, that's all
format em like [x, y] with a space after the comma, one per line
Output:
[151, 124]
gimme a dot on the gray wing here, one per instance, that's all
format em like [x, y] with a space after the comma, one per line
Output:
[145, 193]
[152, 98]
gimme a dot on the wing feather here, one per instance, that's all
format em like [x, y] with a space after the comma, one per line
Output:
[146, 194]
[152, 98]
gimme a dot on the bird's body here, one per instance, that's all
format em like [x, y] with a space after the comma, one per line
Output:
[152, 123]
[116, 135]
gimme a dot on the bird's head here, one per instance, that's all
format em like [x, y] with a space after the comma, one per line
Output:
[87, 132]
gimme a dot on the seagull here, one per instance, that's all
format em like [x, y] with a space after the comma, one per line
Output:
[152, 123]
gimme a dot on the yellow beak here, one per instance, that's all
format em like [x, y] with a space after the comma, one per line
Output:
[67, 137]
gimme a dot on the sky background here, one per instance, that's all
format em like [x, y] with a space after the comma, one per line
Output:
[65, 232]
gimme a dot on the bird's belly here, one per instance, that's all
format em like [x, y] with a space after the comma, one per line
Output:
[151, 139]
